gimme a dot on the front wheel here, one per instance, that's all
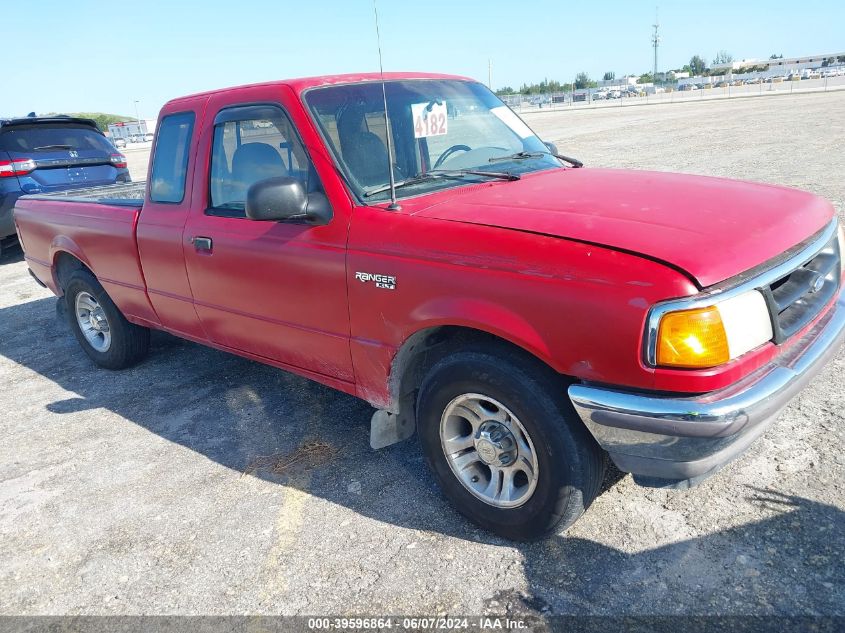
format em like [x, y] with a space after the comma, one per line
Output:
[103, 332]
[504, 444]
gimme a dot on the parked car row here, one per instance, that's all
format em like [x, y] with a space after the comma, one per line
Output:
[618, 93]
[793, 76]
[134, 138]
[607, 93]
[726, 82]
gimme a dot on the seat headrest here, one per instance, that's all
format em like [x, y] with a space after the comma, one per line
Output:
[253, 162]
[258, 157]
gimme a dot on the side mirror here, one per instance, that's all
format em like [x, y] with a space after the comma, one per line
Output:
[552, 147]
[284, 199]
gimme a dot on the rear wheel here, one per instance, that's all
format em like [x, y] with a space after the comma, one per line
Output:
[103, 332]
[505, 445]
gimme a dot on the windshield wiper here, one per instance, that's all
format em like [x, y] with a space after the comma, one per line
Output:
[538, 154]
[436, 174]
[53, 147]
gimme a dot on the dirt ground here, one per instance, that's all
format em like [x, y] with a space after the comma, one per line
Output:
[125, 493]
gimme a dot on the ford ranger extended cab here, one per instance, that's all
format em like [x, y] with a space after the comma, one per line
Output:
[412, 242]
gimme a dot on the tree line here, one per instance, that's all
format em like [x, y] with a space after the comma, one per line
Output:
[582, 81]
[102, 119]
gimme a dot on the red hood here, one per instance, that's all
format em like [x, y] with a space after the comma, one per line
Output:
[712, 228]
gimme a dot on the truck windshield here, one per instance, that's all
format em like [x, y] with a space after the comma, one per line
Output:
[443, 125]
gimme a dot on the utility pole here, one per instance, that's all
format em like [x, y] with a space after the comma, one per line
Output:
[655, 42]
[490, 73]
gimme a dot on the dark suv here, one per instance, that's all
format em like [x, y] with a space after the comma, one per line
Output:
[43, 154]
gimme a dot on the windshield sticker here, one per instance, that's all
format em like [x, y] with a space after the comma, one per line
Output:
[429, 119]
[509, 118]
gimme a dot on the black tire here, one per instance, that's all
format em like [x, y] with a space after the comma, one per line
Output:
[571, 464]
[129, 343]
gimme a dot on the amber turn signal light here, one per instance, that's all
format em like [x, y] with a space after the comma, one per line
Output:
[692, 339]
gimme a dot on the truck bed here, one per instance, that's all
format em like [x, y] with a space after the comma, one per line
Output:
[121, 194]
[94, 225]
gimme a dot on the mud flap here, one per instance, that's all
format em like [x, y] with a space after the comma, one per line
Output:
[389, 428]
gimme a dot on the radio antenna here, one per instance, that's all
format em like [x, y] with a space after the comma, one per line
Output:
[393, 206]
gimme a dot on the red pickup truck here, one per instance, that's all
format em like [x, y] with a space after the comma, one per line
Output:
[414, 243]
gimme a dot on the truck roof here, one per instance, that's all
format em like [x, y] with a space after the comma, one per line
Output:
[302, 84]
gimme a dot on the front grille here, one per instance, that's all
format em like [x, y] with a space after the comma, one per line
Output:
[797, 298]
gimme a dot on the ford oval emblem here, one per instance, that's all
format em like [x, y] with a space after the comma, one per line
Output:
[817, 284]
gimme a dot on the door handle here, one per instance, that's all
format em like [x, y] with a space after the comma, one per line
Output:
[202, 243]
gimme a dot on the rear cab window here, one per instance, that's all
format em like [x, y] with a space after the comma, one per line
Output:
[170, 163]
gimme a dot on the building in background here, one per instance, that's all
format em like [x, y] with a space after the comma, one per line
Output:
[128, 129]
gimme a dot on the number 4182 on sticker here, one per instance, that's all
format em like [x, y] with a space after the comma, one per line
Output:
[429, 119]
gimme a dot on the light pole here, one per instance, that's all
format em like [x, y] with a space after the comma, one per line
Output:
[137, 116]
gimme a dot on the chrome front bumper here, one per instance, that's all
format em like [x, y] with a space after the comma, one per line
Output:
[680, 441]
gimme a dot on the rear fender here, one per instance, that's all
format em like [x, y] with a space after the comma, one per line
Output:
[63, 244]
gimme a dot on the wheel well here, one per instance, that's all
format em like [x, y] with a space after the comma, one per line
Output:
[426, 348]
[64, 265]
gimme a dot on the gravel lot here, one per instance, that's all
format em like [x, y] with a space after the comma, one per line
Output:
[125, 493]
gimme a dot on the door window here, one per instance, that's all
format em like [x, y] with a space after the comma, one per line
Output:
[247, 150]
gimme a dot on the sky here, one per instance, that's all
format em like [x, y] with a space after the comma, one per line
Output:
[98, 56]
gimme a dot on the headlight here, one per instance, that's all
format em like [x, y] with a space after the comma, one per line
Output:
[712, 335]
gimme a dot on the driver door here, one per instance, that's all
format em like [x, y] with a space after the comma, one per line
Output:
[274, 290]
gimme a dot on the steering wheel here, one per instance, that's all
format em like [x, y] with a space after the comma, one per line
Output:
[449, 152]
